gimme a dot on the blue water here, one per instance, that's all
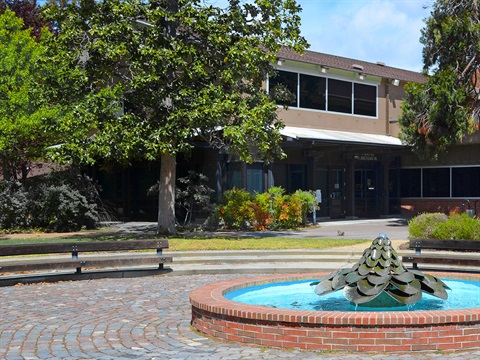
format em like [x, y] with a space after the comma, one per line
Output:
[300, 295]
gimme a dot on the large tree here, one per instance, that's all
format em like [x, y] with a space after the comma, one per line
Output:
[184, 69]
[29, 11]
[442, 111]
[24, 112]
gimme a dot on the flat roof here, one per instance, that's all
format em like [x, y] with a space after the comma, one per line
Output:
[333, 136]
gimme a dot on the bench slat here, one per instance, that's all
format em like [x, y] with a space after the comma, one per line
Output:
[442, 260]
[52, 248]
[438, 244]
[85, 262]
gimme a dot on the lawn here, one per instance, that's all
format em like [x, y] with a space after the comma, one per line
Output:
[202, 243]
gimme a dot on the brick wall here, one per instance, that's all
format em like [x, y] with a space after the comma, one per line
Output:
[413, 207]
[215, 316]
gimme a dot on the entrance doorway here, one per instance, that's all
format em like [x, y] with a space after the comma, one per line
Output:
[337, 193]
[366, 193]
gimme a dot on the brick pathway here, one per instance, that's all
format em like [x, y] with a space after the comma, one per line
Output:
[132, 318]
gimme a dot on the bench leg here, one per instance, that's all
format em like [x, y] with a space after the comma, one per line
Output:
[415, 266]
[78, 271]
[160, 266]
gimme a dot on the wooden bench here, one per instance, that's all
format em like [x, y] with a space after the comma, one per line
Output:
[90, 256]
[461, 252]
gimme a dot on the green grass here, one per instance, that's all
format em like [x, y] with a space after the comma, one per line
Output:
[205, 243]
[272, 243]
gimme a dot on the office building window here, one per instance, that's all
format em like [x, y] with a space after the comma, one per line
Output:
[436, 182]
[280, 82]
[465, 182]
[339, 96]
[312, 92]
[321, 93]
[365, 100]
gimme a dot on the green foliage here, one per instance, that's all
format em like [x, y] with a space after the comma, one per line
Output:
[194, 69]
[424, 225]
[288, 211]
[24, 111]
[458, 227]
[13, 206]
[307, 200]
[193, 193]
[59, 202]
[262, 211]
[269, 210]
[440, 226]
[189, 70]
[442, 111]
[235, 210]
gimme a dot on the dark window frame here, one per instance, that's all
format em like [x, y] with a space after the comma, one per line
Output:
[324, 100]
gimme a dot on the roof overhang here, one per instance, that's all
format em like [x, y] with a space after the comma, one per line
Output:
[344, 137]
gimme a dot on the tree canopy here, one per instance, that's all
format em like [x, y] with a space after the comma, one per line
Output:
[443, 110]
[24, 112]
[30, 12]
[145, 79]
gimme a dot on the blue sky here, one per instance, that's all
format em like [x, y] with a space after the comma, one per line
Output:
[369, 30]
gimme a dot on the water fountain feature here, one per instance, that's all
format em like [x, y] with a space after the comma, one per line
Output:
[391, 331]
[379, 279]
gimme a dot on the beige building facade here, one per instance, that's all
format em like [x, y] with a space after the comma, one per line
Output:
[341, 137]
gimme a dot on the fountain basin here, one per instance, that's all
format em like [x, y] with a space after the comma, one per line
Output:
[223, 319]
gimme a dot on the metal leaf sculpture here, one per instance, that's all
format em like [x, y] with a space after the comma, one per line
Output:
[378, 272]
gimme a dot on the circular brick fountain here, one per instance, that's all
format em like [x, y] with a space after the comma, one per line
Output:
[223, 319]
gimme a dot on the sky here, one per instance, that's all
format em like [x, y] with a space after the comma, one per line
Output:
[371, 30]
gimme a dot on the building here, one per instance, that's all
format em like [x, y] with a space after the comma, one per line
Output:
[341, 133]
[341, 137]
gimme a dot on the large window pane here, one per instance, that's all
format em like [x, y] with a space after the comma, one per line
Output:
[365, 100]
[340, 96]
[466, 182]
[411, 182]
[281, 81]
[436, 182]
[234, 175]
[255, 178]
[296, 177]
[312, 92]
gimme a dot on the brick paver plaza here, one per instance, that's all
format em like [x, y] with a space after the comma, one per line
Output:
[131, 318]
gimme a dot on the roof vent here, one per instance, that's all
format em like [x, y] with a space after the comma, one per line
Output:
[357, 67]
[380, 63]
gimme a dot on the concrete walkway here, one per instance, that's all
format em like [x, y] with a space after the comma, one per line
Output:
[395, 228]
[147, 317]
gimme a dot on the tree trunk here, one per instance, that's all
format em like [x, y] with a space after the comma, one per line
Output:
[166, 195]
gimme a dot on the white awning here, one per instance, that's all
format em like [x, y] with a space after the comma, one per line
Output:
[333, 136]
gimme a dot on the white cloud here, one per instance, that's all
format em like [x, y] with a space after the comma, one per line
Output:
[370, 30]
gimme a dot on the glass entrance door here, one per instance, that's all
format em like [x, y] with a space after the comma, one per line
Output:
[337, 195]
[366, 193]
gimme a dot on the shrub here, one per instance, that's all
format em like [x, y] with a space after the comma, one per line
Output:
[60, 201]
[262, 213]
[13, 206]
[236, 209]
[423, 225]
[307, 201]
[458, 227]
[191, 193]
[270, 210]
